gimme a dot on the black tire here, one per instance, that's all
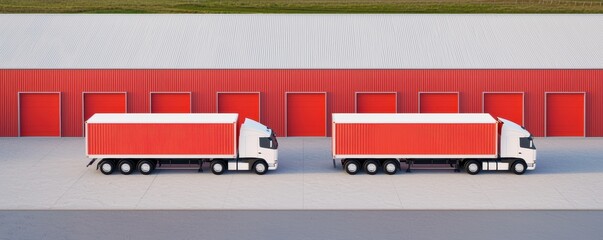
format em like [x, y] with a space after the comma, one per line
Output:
[473, 167]
[126, 167]
[106, 166]
[218, 167]
[146, 167]
[390, 167]
[260, 167]
[371, 167]
[352, 167]
[519, 167]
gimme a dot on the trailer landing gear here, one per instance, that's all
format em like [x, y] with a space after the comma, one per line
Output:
[408, 164]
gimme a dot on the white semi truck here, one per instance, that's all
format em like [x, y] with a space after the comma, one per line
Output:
[145, 141]
[474, 142]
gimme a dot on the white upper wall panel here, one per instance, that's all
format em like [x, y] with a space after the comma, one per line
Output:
[301, 41]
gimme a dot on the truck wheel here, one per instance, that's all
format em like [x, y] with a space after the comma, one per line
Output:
[519, 167]
[352, 167]
[473, 167]
[126, 167]
[106, 167]
[260, 167]
[218, 167]
[371, 167]
[390, 167]
[146, 167]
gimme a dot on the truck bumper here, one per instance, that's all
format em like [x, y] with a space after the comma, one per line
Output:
[532, 166]
[273, 167]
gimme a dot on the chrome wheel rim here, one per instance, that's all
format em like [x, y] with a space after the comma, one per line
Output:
[519, 167]
[473, 167]
[145, 167]
[106, 167]
[352, 167]
[218, 167]
[126, 167]
[390, 167]
[371, 167]
[260, 167]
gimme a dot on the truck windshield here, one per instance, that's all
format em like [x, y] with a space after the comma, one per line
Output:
[527, 142]
[269, 142]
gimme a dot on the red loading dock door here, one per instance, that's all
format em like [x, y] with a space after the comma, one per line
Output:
[506, 105]
[103, 103]
[40, 114]
[565, 114]
[247, 105]
[376, 103]
[170, 102]
[438, 102]
[306, 114]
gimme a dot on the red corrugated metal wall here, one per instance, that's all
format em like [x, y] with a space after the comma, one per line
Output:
[340, 86]
[411, 138]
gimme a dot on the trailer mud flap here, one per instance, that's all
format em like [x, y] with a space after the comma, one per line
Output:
[91, 162]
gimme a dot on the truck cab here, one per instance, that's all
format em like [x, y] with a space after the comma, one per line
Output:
[517, 149]
[258, 148]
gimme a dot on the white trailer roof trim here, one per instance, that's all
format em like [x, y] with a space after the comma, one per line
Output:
[164, 118]
[413, 118]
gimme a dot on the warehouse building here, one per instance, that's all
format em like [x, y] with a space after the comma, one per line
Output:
[291, 72]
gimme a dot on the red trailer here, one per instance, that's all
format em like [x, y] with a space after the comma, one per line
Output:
[384, 140]
[149, 140]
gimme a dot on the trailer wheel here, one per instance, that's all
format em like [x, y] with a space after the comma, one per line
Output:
[126, 167]
[519, 167]
[473, 167]
[146, 167]
[106, 166]
[371, 167]
[390, 167]
[260, 167]
[218, 167]
[352, 167]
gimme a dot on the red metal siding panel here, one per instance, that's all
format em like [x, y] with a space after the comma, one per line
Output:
[341, 86]
[103, 103]
[565, 114]
[376, 103]
[40, 114]
[420, 139]
[439, 103]
[506, 105]
[173, 139]
[306, 114]
[170, 102]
